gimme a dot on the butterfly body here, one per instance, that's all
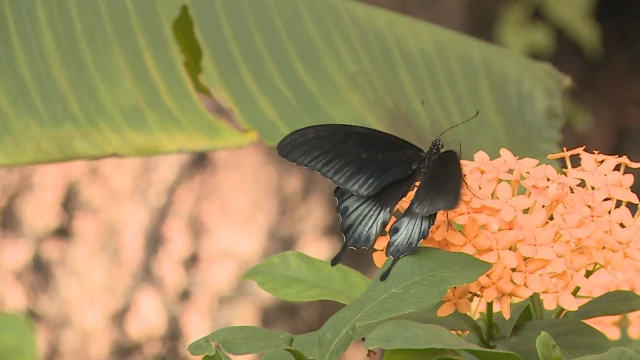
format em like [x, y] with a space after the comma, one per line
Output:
[373, 171]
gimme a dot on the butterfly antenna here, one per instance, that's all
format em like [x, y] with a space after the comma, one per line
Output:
[464, 122]
[425, 112]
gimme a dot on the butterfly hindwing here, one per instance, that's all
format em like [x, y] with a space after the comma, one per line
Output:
[439, 189]
[358, 159]
[362, 219]
[405, 236]
[440, 186]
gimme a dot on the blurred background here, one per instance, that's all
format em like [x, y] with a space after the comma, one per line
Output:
[138, 257]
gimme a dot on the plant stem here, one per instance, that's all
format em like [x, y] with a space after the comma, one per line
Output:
[489, 334]
[536, 305]
[560, 312]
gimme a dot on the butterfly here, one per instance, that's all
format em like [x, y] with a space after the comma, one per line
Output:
[373, 171]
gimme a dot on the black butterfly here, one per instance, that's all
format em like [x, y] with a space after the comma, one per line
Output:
[374, 171]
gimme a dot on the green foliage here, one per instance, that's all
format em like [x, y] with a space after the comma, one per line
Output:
[428, 354]
[516, 29]
[574, 337]
[455, 321]
[418, 282]
[547, 348]
[402, 334]
[241, 340]
[308, 343]
[399, 315]
[102, 86]
[219, 355]
[17, 337]
[612, 303]
[294, 276]
[520, 313]
[635, 346]
[283, 355]
[616, 353]
[576, 19]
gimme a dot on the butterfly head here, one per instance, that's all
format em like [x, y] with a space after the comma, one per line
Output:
[436, 146]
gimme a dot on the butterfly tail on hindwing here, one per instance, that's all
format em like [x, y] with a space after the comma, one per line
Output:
[406, 235]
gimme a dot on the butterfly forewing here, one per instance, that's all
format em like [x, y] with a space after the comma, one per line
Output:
[440, 186]
[360, 160]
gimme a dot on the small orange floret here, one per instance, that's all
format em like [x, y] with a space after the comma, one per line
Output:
[566, 154]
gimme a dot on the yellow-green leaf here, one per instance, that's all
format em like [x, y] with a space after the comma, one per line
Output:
[89, 79]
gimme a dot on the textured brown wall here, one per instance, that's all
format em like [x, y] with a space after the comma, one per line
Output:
[135, 258]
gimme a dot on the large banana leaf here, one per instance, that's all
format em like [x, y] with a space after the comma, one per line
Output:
[88, 79]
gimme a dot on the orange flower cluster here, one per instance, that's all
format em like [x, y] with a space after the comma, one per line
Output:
[541, 229]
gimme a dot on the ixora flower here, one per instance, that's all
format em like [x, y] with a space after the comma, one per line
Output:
[544, 231]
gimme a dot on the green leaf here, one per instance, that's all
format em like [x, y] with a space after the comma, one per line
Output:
[300, 63]
[98, 79]
[616, 353]
[103, 78]
[223, 355]
[219, 355]
[574, 337]
[547, 348]
[241, 340]
[455, 321]
[417, 282]
[308, 344]
[428, 354]
[17, 337]
[515, 29]
[294, 276]
[612, 303]
[520, 313]
[635, 346]
[577, 19]
[280, 354]
[297, 355]
[277, 355]
[403, 334]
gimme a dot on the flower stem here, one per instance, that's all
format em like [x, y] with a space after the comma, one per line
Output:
[536, 305]
[489, 334]
[560, 312]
